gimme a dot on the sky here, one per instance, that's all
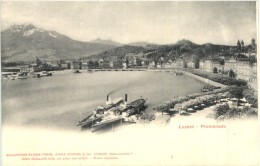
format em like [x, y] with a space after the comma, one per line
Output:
[160, 22]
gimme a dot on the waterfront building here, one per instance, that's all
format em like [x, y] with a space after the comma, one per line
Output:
[179, 63]
[26, 69]
[159, 64]
[152, 64]
[244, 70]
[84, 65]
[49, 62]
[207, 65]
[104, 64]
[132, 59]
[76, 65]
[64, 65]
[252, 53]
[146, 63]
[168, 64]
[212, 64]
[100, 60]
[142, 63]
[201, 64]
[230, 64]
[118, 64]
[190, 64]
[111, 64]
[11, 69]
[138, 61]
[254, 75]
[55, 64]
[125, 66]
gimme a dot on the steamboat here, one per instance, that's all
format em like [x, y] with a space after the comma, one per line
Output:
[112, 112]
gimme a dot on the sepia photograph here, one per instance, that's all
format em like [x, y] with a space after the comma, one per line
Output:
[129, 83]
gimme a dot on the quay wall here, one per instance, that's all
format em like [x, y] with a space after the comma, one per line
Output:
[213, 83]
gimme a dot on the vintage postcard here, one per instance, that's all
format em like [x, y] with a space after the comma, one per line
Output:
[129, 83]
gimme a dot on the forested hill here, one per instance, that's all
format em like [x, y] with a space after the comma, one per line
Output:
[184, 48]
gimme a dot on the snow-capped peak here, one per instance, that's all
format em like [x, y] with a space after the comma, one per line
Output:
[52, 35]
[29, 32]
[26, 29]
[15, 28]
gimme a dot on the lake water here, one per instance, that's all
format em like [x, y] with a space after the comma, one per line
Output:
[61, 100]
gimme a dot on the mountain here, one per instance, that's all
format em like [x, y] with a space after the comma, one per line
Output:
[26, 42]
[184, 48]
[142, 44]
[118, 53]
[107, 42]
[186, 42]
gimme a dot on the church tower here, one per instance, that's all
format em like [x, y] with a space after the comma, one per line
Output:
[238, 46]
[242, 45]
[253, 43]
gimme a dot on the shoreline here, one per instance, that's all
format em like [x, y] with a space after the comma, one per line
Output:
[210, 82]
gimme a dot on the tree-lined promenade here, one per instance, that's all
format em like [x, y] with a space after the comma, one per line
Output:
[237, 91]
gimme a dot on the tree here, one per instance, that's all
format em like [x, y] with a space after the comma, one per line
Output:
[215, 70]
[232, 74]
[236, 91]
[96, 64]
[38, 62]
[252, 60]
[222, 62]
[90, 64]
[80, 65]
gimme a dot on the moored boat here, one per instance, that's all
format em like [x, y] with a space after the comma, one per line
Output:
[105, 122]
[22, 76]
[44, 74]
[190, 110]
[112, 112]
[137, 104]
[90, 122]
[77, 71]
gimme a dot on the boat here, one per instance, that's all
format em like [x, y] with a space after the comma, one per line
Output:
[111, 112]
[182, 111]
[77, 71]
[190, 110]
[45, 74]
[22, 76]
[223, 100]
[100, 111]
[105, 122]
[14, 76]
[137, 104]
[90, 122]
[130, 112]
[196, 107]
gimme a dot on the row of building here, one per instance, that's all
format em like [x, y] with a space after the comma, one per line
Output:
[241, 64]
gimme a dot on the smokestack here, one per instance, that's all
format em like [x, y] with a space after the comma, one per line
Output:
[107, 97]
[125, 97]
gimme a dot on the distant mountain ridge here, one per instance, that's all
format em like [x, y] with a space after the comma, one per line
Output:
[142, 44]
[25, 42]
[183, 48]
[108, 42]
